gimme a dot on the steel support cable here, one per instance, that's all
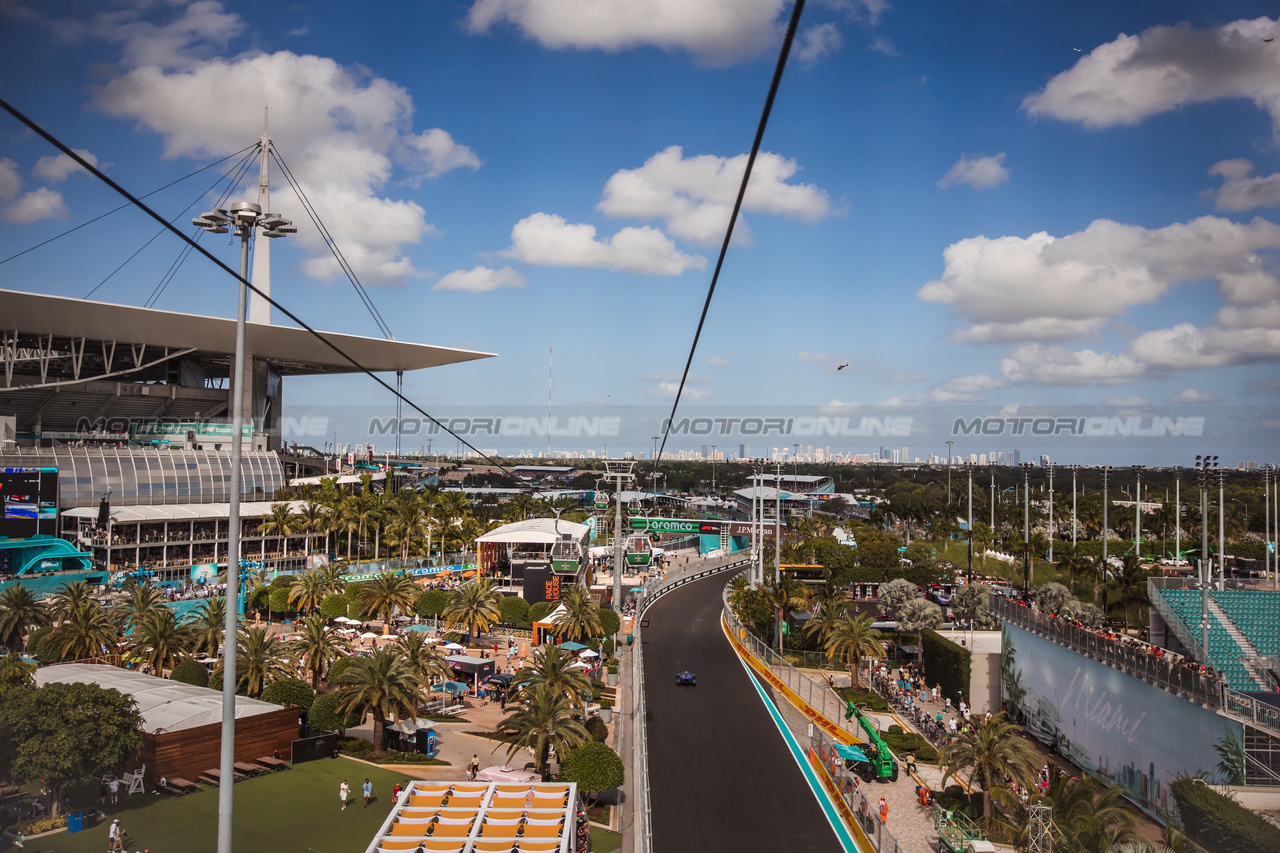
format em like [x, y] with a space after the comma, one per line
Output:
[169, 275]
[123, 206]
[333, 246]
[737, 205]
[134, 200]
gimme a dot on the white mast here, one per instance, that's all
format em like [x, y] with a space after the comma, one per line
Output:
[259, 308]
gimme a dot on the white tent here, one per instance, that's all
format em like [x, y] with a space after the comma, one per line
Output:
[536, 531]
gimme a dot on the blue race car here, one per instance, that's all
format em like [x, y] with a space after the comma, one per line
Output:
[687, 677]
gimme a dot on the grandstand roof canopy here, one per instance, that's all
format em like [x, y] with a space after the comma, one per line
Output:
[291, 350]
[166, 706]
[542, 531]
[180, 512]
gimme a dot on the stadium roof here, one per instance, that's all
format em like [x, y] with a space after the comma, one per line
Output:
[166, 706]
[180, 512]
[291, 350]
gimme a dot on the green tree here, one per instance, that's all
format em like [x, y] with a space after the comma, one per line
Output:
[513, 608]
[544, 721]
[551, 666]
[383, 685]
[190, 672]
[432, 602]
[1131, 584]
[139, 600]
[308, 590]
[260, 659]
[15, 673]
[423, 658]
[318, 645]
[891, 596]
[385, 594]
[827, 609]
[784, 596]
[917, 615]
[65, 735]
[334, 606]
[580, 619]
[993, 753]
[324, 715]
[20, 611]
[610, 622]
[594, 766]
[1052, 597]
[852, 639]
[539, 610]
[474, 606]
[290, 691]
[70, 595]
[280, 522]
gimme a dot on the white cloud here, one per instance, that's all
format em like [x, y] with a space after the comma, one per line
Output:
[979, 173]
[1135, 401]
[717, 32]
[1054, 365]
[1241, 192]
[10, 179]
[58, 167]
[694, 196]
[880, 44]
[667, 391]
[545, 239]
[1265, 385]
[43, 203]
[1165, 68]
[441, 154]
[480, 280]
[1046, 288]
[202, 25]
[718, 360]
[805, 355]
[1191, 395]
[344, 133]
[838, 407]
[958, 389]
[1187, 347]
[818, 42]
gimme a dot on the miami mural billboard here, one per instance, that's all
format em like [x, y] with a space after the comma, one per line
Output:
[1114, 725]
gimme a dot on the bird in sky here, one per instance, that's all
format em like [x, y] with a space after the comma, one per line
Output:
[842, 367]
[1269, 40]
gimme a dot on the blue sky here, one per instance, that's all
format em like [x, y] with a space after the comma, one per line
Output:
[984, 204]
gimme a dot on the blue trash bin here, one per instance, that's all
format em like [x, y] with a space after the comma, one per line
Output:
[75, 821]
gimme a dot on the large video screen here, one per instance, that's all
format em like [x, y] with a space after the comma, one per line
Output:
[1112, 724]
[28, 502]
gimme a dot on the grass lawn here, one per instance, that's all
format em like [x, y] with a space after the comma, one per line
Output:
[292, 811]
[604, 841]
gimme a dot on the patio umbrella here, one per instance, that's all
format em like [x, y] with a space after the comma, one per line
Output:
[450, 687]
[572, 646]
[369, 635]
[588, 654]
[579, 665]
[455, 647]
[637, 589]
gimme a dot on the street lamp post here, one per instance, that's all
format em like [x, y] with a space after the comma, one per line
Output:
[1137, 512]
[949, 443]
[1204, 471]
[1049, 468]
[1026, 527]
[1106, 501]
[1177, 515]
[1074, 470]
[1222, 528]
[713, 469]
[244, 217]
[970, 524]
[993, 498]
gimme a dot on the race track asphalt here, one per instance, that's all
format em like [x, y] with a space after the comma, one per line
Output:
[720, 775]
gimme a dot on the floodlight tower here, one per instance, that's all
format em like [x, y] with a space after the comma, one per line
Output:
[1106, 501]
[970, 575]
[1177, 515]
[1204, 472]
[1074, 470]
[244, 217]
[1026, 526]
[1049, 468]
[1137, 511]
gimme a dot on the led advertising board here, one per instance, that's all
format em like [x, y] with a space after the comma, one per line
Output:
[28, 502]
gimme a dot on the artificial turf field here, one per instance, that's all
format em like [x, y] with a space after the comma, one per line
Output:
[292, 811]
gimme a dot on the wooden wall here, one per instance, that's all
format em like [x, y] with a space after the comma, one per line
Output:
[188, 753]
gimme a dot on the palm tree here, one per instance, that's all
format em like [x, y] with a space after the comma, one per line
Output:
[1131, 583]
[423, 658]
[139, 600]
[852, 639]
[551, 666]
[384, 685]
[157, 639]
[308, 590]
[581, 617]
[547, 722]
[828, 608]
[281, 522]
[784, 595]
[260, 659]
[366, 509]
[20, 611]
[209, 625]
[991, 750]
[335, 579]
[917, 615]
[476, 606]
[312, 519]
[84, 631]
[70, 595]
[318, 646]
[382, 595]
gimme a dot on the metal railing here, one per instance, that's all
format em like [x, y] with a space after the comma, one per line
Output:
[853, 791]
